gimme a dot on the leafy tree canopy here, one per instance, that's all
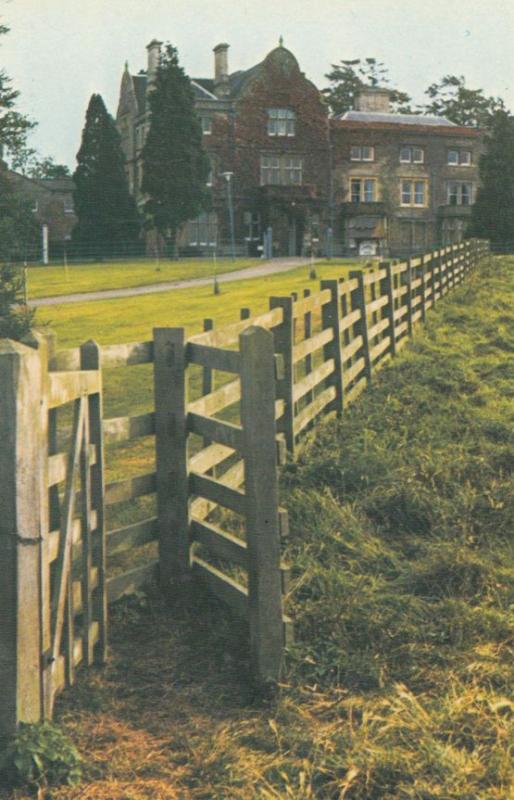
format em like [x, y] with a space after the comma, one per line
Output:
[451, 98]
[107, 218]
[13, 125]
[28, 161]
[492, 215]
[348, 77]
[175, 165]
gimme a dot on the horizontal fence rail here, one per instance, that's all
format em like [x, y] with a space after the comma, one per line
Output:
[228, 404]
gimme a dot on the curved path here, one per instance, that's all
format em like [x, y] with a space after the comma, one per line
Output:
[260, 270]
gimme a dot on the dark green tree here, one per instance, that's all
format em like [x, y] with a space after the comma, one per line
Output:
[28, 161]
[19, 229]
[175, 165]
[451, 98]
[348, 77]
[16, 318]
[107, 218]
[492, 215]
[13, 125]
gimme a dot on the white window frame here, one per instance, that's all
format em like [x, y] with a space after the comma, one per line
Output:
[357, 152]
[281, 170]
[459, 193]
[203, 227]
[454, 163]
[409, 192]
[363, 189]
[411, 149]
[281, 122]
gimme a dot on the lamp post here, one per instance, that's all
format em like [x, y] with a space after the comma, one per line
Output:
[228, 177]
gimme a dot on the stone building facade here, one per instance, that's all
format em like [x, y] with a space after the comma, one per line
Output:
[299, 181]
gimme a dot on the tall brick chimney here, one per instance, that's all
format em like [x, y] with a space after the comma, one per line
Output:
[374, 99]
[154, 52]
[221, 69]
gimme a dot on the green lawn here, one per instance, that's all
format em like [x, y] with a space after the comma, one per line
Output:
[53, 281]
[131, 319]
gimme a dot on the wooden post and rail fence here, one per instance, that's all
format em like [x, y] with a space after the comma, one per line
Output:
[229, 403]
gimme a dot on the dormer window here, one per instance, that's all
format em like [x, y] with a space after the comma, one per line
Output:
[362, 153]
[412, 155]
[281, 122]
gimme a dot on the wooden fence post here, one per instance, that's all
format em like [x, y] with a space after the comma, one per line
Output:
[331, 318]
[408, 296]
[422, 289]
[90, 358]
[170, 385]
[307, 333]
[262, 515]
[284, 343]
[387, 289]
[20, 537]
[359, 302]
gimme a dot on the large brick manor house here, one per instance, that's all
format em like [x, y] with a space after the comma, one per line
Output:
[367, 182]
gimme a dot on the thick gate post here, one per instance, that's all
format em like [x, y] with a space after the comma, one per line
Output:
[20, 537]
[262, 515]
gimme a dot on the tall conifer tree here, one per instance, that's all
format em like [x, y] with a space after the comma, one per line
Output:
[493, 212]
[107, 217]
[175, 165]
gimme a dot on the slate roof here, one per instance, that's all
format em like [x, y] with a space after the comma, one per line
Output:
[396, 119]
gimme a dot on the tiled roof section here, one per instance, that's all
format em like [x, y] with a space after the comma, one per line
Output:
[396, 119]
[140, 90]
[201, 93]
[205, 83]
[57, 184]
[434, 130]
[238, 80]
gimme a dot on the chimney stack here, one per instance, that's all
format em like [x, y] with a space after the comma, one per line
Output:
[154, 52]
[372, 98]
[221, 68]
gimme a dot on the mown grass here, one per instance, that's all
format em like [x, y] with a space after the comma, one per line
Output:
[399, 686]
[53, 281]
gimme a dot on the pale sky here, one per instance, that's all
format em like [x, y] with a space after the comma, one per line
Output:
[59, 52]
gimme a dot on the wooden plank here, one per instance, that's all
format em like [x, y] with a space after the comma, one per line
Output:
[349, 319]
[307, 333]
[132, 535]
[21, 489]
[209, 457]
[130, 488]
[313, 379]
[215, 430]
[65, 387]
[311, 302]
[121, 429]
[355, 369]
[76, 533]
[130, 582]
[59, 668]
[201, 508]
[217, 400]
[224, 588]
[317, 341]
[387, 288]
[351, 348]
[229, 333]
[310, 412]
[376, 305]
[347, 286]
[171, 399]
[126, 355]
[65, 360]
[422, 288]
[78, 594]
[359, 301]
[261, 506]
[380, 348]
[408, 299]
[373, 277]
[90, 359]
[57, 465]
[377, 329]
[284, 335]
[217, 492]
[331, 320]
[213, 357]
[356, 390]
[219, 543]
